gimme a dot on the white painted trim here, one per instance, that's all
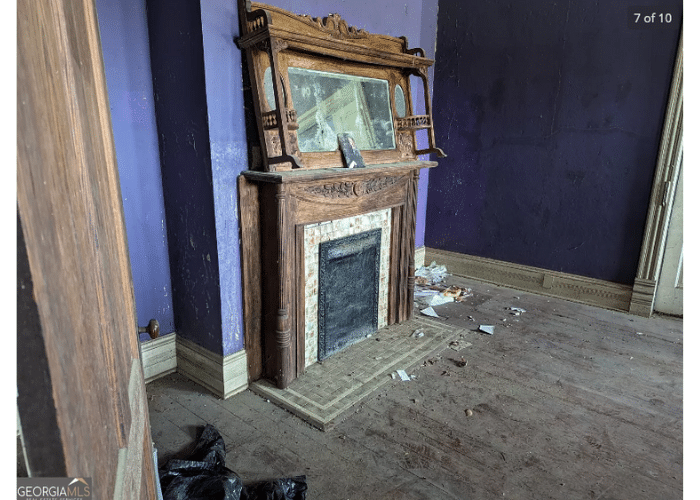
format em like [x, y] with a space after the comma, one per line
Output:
[419, 257]
[158, 357]
[662, 193]
[222, 375]
[572, 287]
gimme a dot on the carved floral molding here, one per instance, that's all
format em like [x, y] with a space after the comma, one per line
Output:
[335, 26]
[352, 189]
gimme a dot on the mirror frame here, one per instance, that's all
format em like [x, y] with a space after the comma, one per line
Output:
[278, 39]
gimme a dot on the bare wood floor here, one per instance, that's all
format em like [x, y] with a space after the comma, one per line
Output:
[567, 402]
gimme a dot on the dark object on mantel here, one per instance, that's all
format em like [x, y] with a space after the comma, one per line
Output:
[204, 476]
[351, 154]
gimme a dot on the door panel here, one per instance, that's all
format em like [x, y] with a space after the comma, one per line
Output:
[72, 227]
[669, 294]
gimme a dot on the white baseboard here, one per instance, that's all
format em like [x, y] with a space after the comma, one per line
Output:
[419, 257]
[158, 357]
[589, 291]
[222, 375]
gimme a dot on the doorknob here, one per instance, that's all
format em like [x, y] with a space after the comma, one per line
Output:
[153, 328]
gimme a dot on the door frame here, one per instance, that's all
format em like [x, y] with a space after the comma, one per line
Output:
[663, 192]
[81, 396]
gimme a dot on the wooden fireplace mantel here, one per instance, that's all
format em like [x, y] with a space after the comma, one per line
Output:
[298, 180]
[275, 207]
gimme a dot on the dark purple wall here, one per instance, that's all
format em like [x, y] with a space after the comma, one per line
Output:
[124, 38]
[551, 114]
[177, 66]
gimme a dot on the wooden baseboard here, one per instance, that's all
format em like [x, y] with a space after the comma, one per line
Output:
[158, 357]
[222, 375]
[419, 257]
[581, 289]
[643, 294]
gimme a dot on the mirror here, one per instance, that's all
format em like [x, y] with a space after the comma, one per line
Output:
[399, 101]
[328, 104]
[269, 90]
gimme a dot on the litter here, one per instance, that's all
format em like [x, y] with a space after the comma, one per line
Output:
[517, 310]
[468, 413]
[461, 363]
[429, 311]
[402, 374]
[431, 361]
[431, 274]
[204, 475]
[439, 299]
[458, 345]
[486, 329]
[640, 333]
[418, 334]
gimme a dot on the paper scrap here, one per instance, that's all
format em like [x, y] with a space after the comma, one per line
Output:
[402, 374]
[486, 329]
[429, 311]
[439, 299]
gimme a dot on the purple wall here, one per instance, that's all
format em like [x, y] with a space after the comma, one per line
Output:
[177, 67]
[551, 115]
[229, 157]
[124, 39]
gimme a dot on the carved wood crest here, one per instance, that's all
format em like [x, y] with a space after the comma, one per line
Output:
[335, 26]
[352, 189]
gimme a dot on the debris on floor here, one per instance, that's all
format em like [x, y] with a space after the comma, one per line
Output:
[431, 361]
[517, 311]
[429, 311]
[468, 412]
[402, 375]
[204, 475]
[430, 289]
[458, 345]
[430, 275]
[486, 329]
[461, 363]
[418, 334]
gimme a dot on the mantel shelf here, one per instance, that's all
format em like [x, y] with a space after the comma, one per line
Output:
[304, 175]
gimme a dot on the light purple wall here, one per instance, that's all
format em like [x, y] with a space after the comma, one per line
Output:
[125, 48]
[228, 143]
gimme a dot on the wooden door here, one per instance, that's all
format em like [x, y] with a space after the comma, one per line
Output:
[669, 294]
[81, 393]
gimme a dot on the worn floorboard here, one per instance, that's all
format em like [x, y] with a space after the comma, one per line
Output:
[566, 401]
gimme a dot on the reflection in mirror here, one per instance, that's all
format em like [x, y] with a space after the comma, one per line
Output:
[328, 104]
[269, 90]
[400, 102]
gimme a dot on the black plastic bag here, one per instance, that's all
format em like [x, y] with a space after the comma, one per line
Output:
[205, 477]
[293, 488]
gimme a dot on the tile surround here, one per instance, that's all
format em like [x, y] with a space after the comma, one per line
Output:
[314, 234]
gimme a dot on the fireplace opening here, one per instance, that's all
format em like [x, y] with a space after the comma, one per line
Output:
[348, 290]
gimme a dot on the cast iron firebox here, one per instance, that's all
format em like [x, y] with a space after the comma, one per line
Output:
[348, 290]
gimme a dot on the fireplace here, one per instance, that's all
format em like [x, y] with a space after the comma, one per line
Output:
[348, 290]
[277, 210]
[315, 82]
